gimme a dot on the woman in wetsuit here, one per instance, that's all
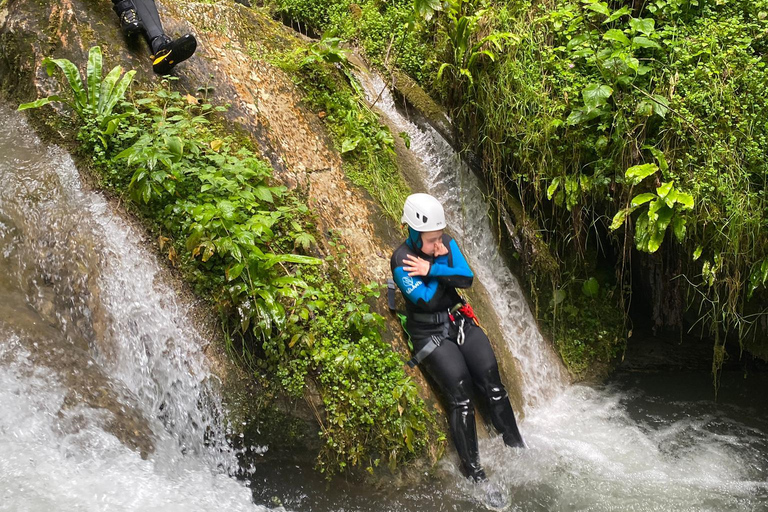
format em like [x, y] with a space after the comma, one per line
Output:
[447, 342]
[142, 16]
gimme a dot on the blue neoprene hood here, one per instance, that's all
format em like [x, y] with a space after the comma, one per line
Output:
[414, 238]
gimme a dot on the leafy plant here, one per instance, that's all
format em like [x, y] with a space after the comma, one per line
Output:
[467, 49]
[664, 209]
[93, 99]
[327, 50]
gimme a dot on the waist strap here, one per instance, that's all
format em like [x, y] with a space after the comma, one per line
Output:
[439, 317]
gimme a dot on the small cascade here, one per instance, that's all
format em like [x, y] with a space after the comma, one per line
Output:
[106, 397]
[456, 186]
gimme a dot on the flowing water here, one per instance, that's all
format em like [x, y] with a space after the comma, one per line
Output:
[106, 401]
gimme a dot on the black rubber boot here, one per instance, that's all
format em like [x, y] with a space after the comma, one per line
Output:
[130, 22]
[461, 420]
[167, 53]
[500, 410]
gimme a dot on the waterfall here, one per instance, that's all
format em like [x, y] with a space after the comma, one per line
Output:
[467, 213]
[107, 400]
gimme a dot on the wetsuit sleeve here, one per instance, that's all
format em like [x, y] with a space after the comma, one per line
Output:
[415, 288]
[452, 269]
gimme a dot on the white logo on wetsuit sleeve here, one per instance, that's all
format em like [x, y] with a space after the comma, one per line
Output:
[410, 284]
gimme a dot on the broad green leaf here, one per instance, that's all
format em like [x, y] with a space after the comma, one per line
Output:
[618, 14]
[642, 198]
[553, 187]
[596, 95]
[93, 76]
[671, 198]
[409, 438]
[655, 206]
[659, 156]
[577, 41]
[426, 8]
[107, 88]
[638, 173]
[298, 258]
[75, 82]
[558, 297]
[661, 105]
[685, 199]
[591, 287]
[697, 252]
[226, 209]
[263, 193]
[175, 146]
[601, 8]
[119, 91]
[664, 189]
[632, 63]
[348, 145]
[111, 127]
[644, 25]
[644, 42]
[658, 229]
[39, 103]
[571, 191]
[643, 69]
[679, 227]
[641, 232]
[616, 35]
[663, 217]
[618, 219]
[234, 271]
[654, 241]
[575, 117]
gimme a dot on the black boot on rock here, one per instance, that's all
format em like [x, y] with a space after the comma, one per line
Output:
[168, 53]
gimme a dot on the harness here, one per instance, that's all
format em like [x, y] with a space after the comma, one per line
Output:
[459, 312]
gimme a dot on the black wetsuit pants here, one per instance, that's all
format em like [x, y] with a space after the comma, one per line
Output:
[455, 369]
[150, 20]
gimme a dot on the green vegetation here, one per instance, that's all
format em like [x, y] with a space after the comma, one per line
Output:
[626, 132]
[248, 245]
[384, 31]
[95, 102]
[603, 109]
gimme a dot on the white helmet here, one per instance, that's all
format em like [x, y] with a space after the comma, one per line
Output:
[423, 213]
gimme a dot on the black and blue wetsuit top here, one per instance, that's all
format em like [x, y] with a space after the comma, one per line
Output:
[436, 291]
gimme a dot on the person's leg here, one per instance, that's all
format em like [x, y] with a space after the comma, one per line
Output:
[150, 18]
[481, 361]
[166, 52]
[129, 18]
[447, 368]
